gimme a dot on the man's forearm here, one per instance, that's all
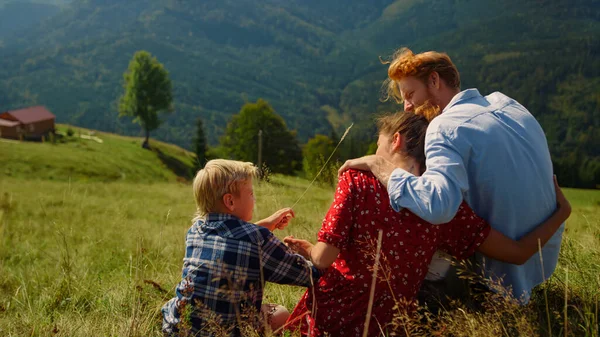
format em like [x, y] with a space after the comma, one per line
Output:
[382, 169]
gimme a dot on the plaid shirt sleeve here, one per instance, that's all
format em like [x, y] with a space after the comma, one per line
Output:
[281, 265]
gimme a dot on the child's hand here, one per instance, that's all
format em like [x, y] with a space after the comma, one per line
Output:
[301, 247]
[279, 219]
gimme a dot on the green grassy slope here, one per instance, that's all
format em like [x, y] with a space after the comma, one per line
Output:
[117, 158]
[75, 255]
[90, 259]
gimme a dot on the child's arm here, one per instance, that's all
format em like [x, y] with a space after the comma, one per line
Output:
[505, 249]
[281, 265]
[279, 219]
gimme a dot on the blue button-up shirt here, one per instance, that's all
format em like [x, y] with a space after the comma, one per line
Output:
[491, 152]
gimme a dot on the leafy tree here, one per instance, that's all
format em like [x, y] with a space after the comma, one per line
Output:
[335, 80]
[148, 91]
[316, 152]
[199, 145]
[372, 148]
[280, 150]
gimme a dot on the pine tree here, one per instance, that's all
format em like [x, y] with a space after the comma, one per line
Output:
[199, 145]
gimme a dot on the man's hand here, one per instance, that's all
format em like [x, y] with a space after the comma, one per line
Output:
[279, 219]
[379, 166]
[363, 163]
[301, 247]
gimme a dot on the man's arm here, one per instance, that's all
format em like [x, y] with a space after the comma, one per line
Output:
[437, 194]
[380, 167]
[505, 249]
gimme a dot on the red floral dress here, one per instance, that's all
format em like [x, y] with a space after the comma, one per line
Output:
[360, 209]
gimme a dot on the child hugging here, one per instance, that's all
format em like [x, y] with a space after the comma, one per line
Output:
[228, 259]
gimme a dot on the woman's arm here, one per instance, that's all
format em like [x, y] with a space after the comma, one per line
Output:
[336, 229]
[322, 254]
[505, 249]
[283, 266]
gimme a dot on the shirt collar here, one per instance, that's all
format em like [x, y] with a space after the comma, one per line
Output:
[214, 219]
[462, 96]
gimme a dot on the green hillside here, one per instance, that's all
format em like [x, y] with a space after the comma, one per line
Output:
[316, 62]
[105, 158]
[16, 16]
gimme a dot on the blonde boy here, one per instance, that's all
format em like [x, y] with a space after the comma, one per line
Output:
[228, 259]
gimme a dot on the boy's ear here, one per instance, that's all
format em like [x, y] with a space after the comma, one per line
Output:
[397, 142]
[228, 201]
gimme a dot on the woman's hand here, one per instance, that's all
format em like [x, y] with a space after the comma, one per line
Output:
[279, 219]
[301, 247]
[561, 201]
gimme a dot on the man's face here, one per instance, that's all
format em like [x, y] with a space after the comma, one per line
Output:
[415, 93]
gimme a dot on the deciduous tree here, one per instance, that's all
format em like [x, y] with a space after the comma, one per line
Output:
[280, 150]
[148, 91]
[316, 152]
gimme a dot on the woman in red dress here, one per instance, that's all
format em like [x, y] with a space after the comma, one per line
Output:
[347, 242]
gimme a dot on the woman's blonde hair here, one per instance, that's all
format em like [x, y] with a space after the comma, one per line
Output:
[217, 178]
[405, 63]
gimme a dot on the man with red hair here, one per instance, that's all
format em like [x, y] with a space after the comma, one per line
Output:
[487, 150]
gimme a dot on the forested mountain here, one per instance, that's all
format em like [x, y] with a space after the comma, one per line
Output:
[315, 61]
[15, 16]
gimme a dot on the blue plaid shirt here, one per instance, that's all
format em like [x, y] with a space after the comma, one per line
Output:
[225, 260]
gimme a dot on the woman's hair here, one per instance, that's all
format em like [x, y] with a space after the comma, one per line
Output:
[405, 63]
[217, 178]
[412, 127]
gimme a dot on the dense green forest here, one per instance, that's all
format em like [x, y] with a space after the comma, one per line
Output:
[316, 63]
[18, 16]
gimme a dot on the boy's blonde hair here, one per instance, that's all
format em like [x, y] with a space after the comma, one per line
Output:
[217, 178]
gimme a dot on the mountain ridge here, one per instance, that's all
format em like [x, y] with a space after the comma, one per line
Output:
[317, 63]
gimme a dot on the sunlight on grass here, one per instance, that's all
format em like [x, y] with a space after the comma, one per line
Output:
[93, 258]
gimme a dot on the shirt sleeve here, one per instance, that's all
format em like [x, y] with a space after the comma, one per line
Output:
[281, 265]
[436, 195]
[464, 234]
[338, 221]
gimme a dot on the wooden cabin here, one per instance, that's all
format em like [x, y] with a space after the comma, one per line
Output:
[27, 123]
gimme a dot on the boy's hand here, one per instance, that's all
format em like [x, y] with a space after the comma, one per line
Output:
[301, 247]
[279, 219]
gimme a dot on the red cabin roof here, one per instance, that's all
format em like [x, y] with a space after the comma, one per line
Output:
[31, 114]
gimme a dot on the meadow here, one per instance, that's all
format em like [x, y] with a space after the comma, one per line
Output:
[99, 257]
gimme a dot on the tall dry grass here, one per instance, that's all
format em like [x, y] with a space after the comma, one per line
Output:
[100, 259]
